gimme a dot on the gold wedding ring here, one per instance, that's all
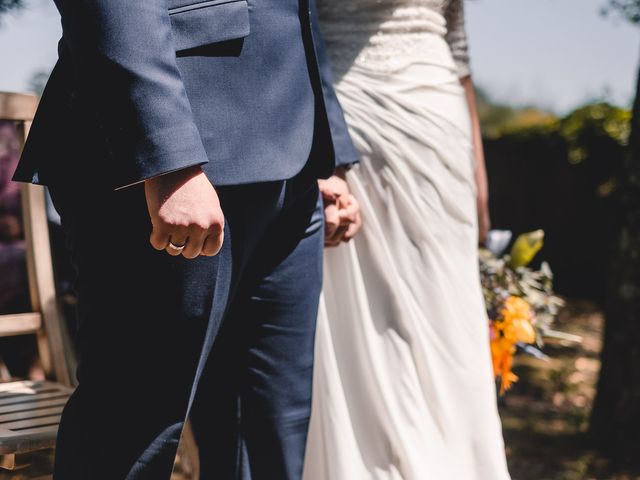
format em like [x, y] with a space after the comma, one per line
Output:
[176, 248]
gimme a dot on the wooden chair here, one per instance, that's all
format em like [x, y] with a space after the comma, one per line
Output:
[30, 410]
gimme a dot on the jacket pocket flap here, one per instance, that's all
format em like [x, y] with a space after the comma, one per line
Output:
[203, 23]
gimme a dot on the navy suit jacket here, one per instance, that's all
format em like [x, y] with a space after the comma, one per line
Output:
[146, 87]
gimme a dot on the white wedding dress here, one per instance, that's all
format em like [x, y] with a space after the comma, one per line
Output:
[403, 387]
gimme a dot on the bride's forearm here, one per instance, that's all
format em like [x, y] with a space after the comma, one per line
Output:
[478, 153]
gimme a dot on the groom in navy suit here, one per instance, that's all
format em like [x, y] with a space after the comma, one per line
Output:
[191, 298]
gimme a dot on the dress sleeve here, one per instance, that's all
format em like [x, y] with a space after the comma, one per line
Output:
[457, 36]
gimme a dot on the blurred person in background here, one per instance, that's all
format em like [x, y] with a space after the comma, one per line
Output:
[18, 354]
[13, 281]
[403, 385]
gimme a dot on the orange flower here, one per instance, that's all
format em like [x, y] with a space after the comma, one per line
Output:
[502, 351]
[516, 307]
[514, 326]
[519, 330]
[516, 321]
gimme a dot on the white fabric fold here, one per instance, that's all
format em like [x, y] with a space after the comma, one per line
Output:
[403, 387]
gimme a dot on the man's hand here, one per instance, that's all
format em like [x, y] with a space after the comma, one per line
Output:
[185, 213]
[341, 210]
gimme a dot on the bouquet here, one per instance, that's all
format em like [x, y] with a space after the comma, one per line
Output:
[520, 300]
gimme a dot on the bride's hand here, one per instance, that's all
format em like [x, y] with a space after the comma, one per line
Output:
[484, 219]
[341, 210]
[484, 224]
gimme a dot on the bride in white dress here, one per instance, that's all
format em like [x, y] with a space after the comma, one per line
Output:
[403, 387]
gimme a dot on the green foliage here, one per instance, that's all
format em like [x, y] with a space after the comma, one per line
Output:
[596, 119]
[493, 116]
[602, 119]
[592, 122]
[563, 175]
[500, 119]
[580, 129]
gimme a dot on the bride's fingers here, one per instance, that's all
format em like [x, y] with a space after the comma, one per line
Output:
[331, 220]
[342, 221]
[349, 214]
[353, 229]
[344, 200]
[350, 217]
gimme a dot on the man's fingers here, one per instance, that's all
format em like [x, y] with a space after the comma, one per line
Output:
[190, 243]
[329, 190]
[194, 245]
[332, 243]
[329, 195]
[213, 243]
[158, 239]
[184, 204]
[336, 238]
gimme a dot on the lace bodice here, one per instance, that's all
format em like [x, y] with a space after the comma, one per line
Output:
[388, 34]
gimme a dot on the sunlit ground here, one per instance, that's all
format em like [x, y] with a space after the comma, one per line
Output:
[546, 415]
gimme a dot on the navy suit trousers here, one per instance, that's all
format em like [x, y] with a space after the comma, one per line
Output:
[229, 338]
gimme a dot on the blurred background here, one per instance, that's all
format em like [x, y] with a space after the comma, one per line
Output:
[557, 81]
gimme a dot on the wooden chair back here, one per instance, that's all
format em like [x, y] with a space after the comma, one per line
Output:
[45, 319]
[30, 410]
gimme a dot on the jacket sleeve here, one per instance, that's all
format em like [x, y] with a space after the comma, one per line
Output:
[345, 151]
[126, 69]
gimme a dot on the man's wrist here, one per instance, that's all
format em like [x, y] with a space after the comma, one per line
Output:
[182, 174]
